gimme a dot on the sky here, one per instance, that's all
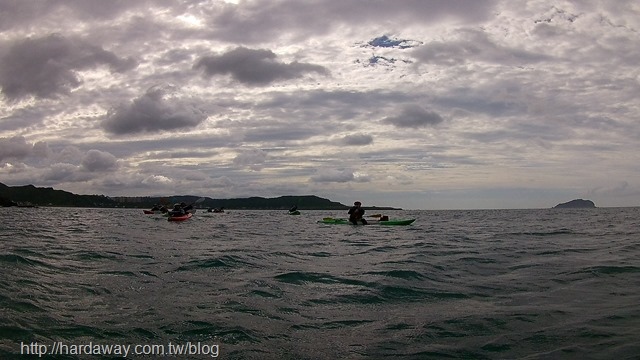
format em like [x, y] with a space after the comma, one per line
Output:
[418, 104]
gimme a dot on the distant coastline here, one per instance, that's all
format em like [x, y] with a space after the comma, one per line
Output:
[29, 195]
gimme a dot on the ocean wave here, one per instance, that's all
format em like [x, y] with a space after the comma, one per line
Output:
[456, 284]
[227, 261]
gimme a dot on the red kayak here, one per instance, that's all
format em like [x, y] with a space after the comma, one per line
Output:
[184, 217]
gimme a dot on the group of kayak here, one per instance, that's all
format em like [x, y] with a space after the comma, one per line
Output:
[182, 211]
[179, 212]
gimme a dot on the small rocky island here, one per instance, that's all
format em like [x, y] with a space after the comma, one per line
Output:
[577, 203]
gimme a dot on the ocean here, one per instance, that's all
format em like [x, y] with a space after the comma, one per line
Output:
[480, 284]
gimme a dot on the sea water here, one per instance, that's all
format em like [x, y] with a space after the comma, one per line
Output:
[484, 284]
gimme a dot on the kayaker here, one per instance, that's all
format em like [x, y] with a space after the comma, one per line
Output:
[178, 210]
[293, 208]
[356, 214]
[157, 207]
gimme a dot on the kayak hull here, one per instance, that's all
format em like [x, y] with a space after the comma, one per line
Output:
[294, 212]
[187, 216]
[393, 222]
[397, 222]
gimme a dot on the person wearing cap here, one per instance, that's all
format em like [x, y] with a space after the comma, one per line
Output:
[356, 214]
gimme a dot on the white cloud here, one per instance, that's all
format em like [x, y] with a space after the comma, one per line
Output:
[97, 161]
[156, 179]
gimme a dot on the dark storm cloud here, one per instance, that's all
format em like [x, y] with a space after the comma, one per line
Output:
[47, 67]
[256, 67]
[357, 140]
[414, 116]
[152, 113]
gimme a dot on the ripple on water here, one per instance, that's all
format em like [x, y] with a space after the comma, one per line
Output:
[455, 284]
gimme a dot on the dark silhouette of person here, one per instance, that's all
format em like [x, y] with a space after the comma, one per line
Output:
[356, 214]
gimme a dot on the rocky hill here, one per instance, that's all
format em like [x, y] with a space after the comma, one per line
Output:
[31, 195]
[36, 196]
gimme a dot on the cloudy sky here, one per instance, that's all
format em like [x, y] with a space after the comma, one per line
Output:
[420, 104]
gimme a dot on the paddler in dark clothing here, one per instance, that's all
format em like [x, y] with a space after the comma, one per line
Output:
[356, 214]
[178, 210]
[157, 207]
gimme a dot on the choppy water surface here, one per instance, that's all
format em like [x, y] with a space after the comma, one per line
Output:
[491, 284]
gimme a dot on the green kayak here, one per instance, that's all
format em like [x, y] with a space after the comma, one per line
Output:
[294, 212]
[329, 220]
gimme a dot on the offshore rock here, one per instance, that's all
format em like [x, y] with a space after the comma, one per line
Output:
[577, 203]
